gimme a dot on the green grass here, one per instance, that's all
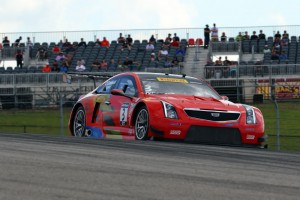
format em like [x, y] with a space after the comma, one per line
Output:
[289, 124]
[34, 121]
[47, 121]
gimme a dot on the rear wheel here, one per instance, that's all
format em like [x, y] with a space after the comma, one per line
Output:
[142, 124]
[79, 123]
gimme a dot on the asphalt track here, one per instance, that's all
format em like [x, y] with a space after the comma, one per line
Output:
[44, 167]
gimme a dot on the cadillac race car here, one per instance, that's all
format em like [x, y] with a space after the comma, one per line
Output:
[141, 105]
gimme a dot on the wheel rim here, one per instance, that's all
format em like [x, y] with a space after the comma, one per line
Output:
[79, 123]
[141, 125]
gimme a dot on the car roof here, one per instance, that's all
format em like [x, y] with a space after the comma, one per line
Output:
[154, 75]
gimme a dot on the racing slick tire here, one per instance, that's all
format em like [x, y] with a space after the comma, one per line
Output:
[141, 127]
[79, 121]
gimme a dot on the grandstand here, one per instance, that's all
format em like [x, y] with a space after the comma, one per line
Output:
[252, 72]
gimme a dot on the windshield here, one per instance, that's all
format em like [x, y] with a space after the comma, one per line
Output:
[163, 85]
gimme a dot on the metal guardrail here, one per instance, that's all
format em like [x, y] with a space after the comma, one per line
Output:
[144, 34]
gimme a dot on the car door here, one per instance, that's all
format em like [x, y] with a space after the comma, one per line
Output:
[121, 106]
[103, 110]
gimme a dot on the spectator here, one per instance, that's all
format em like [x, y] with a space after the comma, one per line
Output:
[129, 42]
[120, 65]
[66, 44]
[246, 36]
[104, 43]
[176, 38]
[60, 56]
[206, 36]
[275, 55]
[153, 57]
[46, 68]
[17, 42]
[55, 66]
[152, 39]
[29, 44]
[180, 51]
[223, 37]
[19, 58]
[98, 42]
[285, 35]
[6, 42]
[175, 43]
[283, 57]
[261, 35]
[277, 35]
[103, 65]
[149, 46]
[56, 49]
[121, 39]
[41, 53]
[284, 41]
[214, 33]
[254, 36]
[96, 64]
[266, 49]
[168, 40]
[163, 52]
[239, 37]
[218, 62]
[80, 66]
[82, 43]
[112, 65]
[226, 62]
[64, 67]
[277, 45]
[175, 61]
[168, 63]
[70, 48]
[60, 44]
[128, 63]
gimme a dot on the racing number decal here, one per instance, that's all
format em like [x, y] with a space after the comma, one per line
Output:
[124, 114]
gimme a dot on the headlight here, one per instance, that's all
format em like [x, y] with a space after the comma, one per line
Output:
[250, 115]
[169, 110]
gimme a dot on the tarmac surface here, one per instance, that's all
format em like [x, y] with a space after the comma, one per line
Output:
[46, 167]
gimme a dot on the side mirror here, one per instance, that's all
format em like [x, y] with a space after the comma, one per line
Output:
[225, 98]
[119, 93]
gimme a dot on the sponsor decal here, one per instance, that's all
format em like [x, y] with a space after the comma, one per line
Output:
[175, 124]
[249, 129]
[175, 80]
[130, 131]
[215, 114]
[175, 132]
[250, 137]
[124, 114]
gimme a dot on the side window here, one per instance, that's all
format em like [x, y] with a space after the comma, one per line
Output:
[127, 84]
[107, 86]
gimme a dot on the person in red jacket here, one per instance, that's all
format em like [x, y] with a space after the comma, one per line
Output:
[104, 42]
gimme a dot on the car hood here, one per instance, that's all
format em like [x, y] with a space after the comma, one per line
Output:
[198, 102]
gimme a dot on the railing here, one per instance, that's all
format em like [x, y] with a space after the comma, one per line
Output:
[250, 71]
[144, 34]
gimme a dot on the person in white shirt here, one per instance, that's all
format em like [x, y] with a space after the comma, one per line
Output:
[149, 46]
[80, 66]
[214, 34]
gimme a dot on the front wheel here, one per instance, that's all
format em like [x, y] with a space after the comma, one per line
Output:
[79, 123]
[142, 124]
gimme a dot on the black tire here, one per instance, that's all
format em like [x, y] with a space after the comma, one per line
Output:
[141, 127]
[79, 123]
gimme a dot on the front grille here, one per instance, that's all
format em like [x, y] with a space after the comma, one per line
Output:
[213, 135]
[212, 115]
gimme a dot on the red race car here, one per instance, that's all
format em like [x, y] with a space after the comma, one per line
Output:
[139, 106]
